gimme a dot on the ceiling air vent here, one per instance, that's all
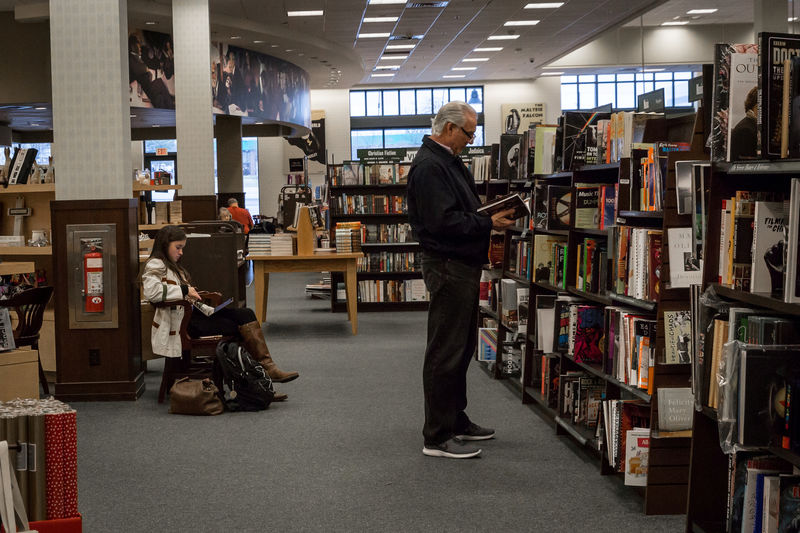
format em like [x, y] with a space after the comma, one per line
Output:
[427, 4]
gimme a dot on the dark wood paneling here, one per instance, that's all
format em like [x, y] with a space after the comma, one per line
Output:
[198, 207]
[665, 499]
[667, 475]
[119, 374]
[708, 478]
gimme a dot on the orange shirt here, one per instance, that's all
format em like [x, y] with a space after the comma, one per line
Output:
[242, 216]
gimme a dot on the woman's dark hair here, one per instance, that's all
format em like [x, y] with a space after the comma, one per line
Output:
[164, 237]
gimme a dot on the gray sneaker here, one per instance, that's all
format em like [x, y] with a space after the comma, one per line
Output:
[453, 448]
[475, 432]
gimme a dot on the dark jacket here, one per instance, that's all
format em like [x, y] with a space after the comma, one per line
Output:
[442, 200]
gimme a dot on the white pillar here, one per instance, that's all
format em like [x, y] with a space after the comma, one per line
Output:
[769, 15]
[193, 114]
[91, 114]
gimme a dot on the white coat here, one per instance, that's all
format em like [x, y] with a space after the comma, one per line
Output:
[162, 284]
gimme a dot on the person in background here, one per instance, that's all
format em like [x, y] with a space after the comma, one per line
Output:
[164, 279]
[240, 215]
[442, 210]
[224, 214]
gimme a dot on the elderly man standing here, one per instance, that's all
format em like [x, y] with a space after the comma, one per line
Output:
[442, 204]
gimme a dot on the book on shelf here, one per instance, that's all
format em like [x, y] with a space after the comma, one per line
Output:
[509, 157]
[774, 49]
[637, 452]
[544, 140]
[21, 165]
[559, 198]
[508, 301]
[683, 187]
[545, 322]
[539, 206]
[718, 139]
[677, 337]
[684, 267]
[701, 175]
[352, 173]
[675, 408]
[608, 206]
[587, 207]
[543, 260]
[587, 346]
[766, 275]
[574, 136]
[791, 111]
[791, 293]
[509, 201]
[742, 92]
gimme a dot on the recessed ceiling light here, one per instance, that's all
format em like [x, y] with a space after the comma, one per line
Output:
[377, 2]
[474, 59]
[151, 22]
[393, 57]
[373, 35]
[289, 50]
[521, 23]
[274, 46]
[552, 73]
[792, 19]
[316, 13]
[502, 37]
[387, 67]
[701, 11]
[381, 19]
[382, 75]
[488, 49]
[454, 76]
[257, 42]
[545, 5]
[401, 46]
[675, 23]
[40, 108]
[464, 68]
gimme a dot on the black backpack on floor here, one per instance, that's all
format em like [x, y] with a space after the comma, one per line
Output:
[243, 383]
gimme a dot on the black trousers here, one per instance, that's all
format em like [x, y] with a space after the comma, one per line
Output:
[226, 322]
[452, 338]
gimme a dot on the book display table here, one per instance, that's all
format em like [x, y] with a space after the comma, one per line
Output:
[334, 262]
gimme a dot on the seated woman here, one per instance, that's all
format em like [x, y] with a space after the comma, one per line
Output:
[165, 279]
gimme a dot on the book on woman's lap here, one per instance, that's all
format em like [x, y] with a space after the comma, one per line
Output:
[208, 310]
[510, 201]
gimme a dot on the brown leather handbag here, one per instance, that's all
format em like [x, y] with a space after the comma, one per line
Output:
[194, 397]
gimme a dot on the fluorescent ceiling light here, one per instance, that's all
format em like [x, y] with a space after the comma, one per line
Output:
[501, 38]
[257, 42]
[521, 23]
[387, 67]
[401, 46]
[151, 22]
[317, 13]
[653, 70]
[792, 19]
[474, 59]
[488, 49]
[377, 2]
[381, 19]
[373, 35]
[551, 73]
[701, 11]
[464, 68]
[454, 76]
[235, 37]
[675, 23]
[382, 75]
[545, 5]
[393, 57]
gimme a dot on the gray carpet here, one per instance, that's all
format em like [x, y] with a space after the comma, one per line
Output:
[344, 452]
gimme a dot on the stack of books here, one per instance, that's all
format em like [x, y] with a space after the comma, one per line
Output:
[259, 243]
[348, 237]
[282, 244]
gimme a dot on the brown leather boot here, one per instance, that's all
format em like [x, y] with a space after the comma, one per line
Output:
[280, 397]
[254, 342]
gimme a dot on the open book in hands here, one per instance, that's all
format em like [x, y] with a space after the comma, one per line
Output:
[510, 201]
[207, 309]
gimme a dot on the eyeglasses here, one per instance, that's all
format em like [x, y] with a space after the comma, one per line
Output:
[470, 134]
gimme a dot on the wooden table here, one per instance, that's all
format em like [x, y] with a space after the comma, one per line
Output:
[335, 262]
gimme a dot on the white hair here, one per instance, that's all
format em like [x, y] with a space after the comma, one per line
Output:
[455, 112]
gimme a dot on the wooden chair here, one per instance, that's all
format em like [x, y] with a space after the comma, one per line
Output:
[197, 359]
[29, 306]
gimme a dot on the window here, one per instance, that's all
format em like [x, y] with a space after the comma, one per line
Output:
[42, 155]
[588, 91]
[398, 118]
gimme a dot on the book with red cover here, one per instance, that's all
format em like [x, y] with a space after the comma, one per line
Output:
[588, 335]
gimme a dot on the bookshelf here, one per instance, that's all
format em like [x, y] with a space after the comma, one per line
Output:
[709, 468]
[391, 261]
[668, 472]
